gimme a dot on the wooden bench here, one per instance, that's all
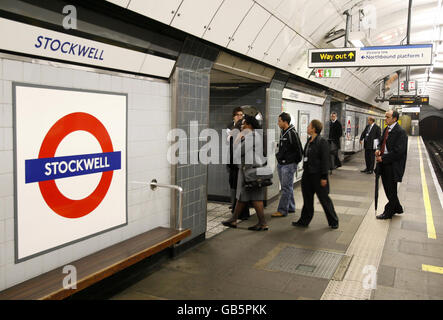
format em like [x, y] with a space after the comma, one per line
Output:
[96, 267]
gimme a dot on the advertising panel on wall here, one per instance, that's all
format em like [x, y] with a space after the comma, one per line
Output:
[70, 166]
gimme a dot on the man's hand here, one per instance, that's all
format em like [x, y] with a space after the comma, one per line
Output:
[323, 182]
[379, 159]
[377, 153]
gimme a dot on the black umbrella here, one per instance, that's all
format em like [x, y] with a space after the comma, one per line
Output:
[377, 178]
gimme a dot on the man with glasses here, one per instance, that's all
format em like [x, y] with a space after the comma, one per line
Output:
[391, 157]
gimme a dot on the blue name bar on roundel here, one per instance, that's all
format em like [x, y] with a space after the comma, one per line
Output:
[45, 169]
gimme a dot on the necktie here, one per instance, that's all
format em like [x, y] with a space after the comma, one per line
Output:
[385, 138]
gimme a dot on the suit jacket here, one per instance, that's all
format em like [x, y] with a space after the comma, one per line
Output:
[318, 157]
[374, 134]
[397, 145]
[335, 132]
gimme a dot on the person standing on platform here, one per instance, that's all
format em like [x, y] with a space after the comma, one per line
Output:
[391, 158]
[315, 178]
[335, 133]
[234, 129]
[290, 153]
[371, 133]
[246, 195]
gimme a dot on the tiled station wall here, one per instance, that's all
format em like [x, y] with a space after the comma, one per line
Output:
[149, 121]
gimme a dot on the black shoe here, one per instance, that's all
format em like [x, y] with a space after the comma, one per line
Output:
[399, 211]
[291, 211]
[334, 226]
[364, 171]
[369, 172]
[299, 224]
[258, 227]
[384, 216]
[229, 224]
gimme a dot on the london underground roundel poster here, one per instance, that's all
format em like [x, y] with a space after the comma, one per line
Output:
[70, 165]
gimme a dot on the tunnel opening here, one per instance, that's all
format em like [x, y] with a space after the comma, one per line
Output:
[228, 91]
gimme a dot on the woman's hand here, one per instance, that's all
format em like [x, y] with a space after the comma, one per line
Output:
[323, 183]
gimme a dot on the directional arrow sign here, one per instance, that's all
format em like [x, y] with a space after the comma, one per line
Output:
[387, 56]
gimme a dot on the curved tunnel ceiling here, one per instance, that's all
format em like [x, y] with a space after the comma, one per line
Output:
[280, 32]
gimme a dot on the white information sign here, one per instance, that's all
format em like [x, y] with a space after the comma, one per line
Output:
[383, 56]
[23, 38]
[70, 166]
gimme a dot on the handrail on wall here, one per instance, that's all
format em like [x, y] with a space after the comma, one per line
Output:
[154, 185]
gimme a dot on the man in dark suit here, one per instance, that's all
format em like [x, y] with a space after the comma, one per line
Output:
[335, 133]
[372, 132]
[391, 157]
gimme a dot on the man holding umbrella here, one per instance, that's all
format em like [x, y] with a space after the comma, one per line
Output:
[391, 157]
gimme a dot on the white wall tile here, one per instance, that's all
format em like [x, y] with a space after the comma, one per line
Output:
[9, 230]
[49, 76]
[2, 278]
[10, 253]
[6, 162]
[32, 72]
[105, 82]
[6, 185]
[13, 70]
[65, 78]
[7, 92]
[6, 115]
[7, 139]
[117, 84]
[8, 203]
[14, 274]
[2, 236]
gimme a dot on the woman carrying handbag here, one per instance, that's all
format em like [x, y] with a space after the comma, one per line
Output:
[244, 144]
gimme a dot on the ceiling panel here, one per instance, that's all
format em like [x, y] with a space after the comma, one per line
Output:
[227, 20]
[279, 46]
[194, 16]
[248, 29]
[265, 38]
[162, 11]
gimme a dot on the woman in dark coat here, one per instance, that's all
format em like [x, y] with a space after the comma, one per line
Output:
[244, 195]
[234, 130]
[315, 177]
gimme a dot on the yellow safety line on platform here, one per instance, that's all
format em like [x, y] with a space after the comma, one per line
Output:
[429, 219]
[432, 269]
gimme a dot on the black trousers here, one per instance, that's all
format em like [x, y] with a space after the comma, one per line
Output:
[370, 159]
[310, 185]
[390, 186]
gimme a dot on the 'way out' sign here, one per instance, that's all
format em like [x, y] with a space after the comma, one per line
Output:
[411, 55]
[70, 166]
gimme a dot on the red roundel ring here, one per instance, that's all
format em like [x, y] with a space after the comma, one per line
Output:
[61, 205]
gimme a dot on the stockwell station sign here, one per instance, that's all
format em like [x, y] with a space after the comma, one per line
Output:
[70, 160]
[386, 56]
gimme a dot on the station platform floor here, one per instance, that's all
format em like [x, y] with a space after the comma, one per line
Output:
[364, 259]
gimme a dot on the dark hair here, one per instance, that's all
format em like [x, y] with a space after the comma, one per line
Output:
[317, 126]
[236, 110]
[238, 124]
[395, 114]
[250, 120]
[285, 117]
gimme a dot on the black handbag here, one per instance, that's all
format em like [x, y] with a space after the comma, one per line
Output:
[257, 177]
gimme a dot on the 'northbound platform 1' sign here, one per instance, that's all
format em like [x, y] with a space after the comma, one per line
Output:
[411, 55]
